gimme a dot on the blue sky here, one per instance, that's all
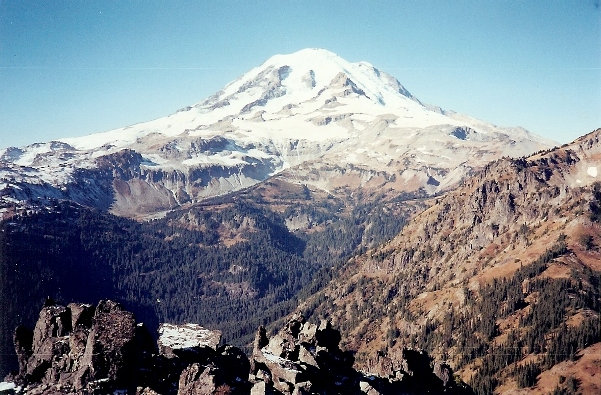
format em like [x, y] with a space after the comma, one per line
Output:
[71, 68]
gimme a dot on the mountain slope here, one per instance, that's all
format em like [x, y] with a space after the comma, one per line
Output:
[326, 121]
[500, 276]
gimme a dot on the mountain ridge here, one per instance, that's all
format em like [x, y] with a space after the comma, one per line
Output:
[509, 260]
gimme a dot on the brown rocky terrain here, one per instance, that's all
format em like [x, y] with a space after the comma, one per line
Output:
[510, 260]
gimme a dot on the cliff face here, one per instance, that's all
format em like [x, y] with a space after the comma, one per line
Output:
[482, 261]
[78, 347]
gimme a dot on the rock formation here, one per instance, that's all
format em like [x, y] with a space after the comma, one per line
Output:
[305, 358]
[100, 349]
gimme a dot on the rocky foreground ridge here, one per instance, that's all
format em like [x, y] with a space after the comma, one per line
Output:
[81, 348]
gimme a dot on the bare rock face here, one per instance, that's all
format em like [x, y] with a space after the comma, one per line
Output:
[77, 348]
[109, 351]
[197, 379]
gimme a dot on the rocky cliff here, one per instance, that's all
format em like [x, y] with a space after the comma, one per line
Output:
[101, 349]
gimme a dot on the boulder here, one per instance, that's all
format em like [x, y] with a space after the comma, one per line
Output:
[197, 380]
[174, 338]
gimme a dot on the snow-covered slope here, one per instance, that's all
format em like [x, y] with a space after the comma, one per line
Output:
[308, 113]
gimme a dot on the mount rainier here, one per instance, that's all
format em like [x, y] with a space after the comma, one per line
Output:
[309, 116]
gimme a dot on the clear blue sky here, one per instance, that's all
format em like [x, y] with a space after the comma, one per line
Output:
[71, 68]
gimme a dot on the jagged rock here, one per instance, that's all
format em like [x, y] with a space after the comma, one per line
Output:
[302, 358]
[443, 372]
[109, 351]
[307, 333]
[326, 336]
[259, 388]
[196, 379]
[305, 356]
[303, 388]
[146, 391]
[277, 346]
[81, 315]
[233, 363]
[366, 388]
[261, 339]
[54, 321]
[416, 364]
[78, 348]
[47, 345]
[318, 365]
[293, 327]
[382, 366]
[225, 373]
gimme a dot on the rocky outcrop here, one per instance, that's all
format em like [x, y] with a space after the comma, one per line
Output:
[87, 349]
[80, 348]
[305, 358]
[175, 338]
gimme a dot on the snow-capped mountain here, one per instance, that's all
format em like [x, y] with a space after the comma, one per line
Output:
[321, 119]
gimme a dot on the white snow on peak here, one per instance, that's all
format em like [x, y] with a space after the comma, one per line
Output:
[306, 72]
[285, 88]
[293, 108]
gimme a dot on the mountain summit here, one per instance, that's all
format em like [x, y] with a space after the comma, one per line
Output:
[307, 81]
[325, 121]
